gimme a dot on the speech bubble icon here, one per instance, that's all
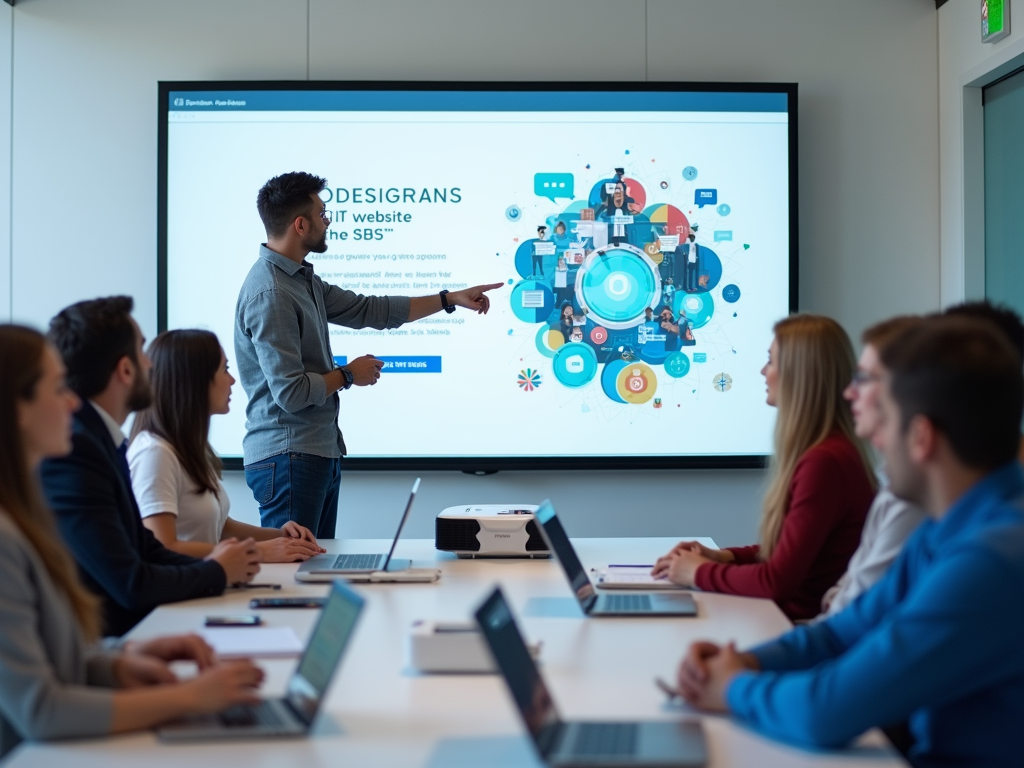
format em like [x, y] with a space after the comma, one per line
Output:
[554, 185]
[721, 235]
[702, 197]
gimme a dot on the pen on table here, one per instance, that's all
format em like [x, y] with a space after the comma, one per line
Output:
[671, 692]
[260, 586]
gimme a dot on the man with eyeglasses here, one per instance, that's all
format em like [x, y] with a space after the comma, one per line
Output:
[293, 446]
[890, 520]
[935, 644]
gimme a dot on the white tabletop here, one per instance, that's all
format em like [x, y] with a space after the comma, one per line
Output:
[379, 712]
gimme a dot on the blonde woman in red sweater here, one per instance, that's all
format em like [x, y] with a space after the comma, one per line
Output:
[821, 481]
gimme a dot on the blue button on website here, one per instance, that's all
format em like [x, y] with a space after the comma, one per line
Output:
[392, 364]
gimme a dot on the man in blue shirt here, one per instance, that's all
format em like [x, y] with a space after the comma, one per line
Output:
[293, 446]
[936, 643]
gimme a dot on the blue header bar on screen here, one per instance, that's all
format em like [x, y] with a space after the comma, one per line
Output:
[477, 101]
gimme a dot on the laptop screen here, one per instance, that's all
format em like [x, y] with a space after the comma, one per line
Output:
[401, 523]
[566, 555]
[324, 650]
[518, 668]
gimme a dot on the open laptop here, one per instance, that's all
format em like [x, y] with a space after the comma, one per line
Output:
[604, 604]
[326, 567]
[293, 714]
[562, 743]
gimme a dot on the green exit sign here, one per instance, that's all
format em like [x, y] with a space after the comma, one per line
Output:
[995, 20]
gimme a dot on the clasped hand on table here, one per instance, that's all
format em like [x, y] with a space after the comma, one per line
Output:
[680, 565]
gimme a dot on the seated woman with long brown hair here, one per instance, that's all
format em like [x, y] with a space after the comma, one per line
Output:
[175, 473]
[55, 682]
[821, 482]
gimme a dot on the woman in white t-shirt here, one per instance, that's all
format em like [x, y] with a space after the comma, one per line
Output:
[176, 474]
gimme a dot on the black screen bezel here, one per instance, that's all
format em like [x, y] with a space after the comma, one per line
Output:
[489, 464]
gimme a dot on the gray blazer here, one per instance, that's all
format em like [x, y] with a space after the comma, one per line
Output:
[52, 683]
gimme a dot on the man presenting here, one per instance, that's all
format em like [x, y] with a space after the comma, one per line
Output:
[293, 446]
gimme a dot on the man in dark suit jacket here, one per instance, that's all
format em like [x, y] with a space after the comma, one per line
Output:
[90, 489]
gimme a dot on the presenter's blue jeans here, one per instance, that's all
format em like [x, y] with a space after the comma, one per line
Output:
[299, 487]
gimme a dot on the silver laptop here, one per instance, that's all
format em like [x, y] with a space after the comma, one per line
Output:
[293, 714]
[604, 604]
[321, 566]
[562, 743]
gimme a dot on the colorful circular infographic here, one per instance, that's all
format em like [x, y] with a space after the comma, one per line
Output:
[618, 288]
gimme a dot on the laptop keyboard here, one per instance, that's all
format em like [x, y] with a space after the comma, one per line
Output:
[605, 739]
[626, 603]
[244, 715]
[357, 562]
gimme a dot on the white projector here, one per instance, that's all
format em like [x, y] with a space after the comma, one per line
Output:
[490, 530]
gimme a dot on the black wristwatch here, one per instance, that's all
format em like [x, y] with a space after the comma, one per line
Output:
[444, 302]
[349, 378]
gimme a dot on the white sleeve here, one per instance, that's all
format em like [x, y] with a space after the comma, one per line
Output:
[896, 520]
[156, 477]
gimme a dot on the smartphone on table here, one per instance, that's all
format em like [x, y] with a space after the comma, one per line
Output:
[287, 602]
[233, 621]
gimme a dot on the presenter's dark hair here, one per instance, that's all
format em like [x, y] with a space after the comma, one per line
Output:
[963, 375]
[184, 364]
[1003, 317]
[21, 359]
[92, 336]
[286, 197]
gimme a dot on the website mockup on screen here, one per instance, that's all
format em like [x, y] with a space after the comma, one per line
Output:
[642, 239]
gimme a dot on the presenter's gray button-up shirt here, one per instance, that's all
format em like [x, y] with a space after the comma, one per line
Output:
[283, 348]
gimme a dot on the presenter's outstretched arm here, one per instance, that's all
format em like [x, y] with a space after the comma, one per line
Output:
[474, 298]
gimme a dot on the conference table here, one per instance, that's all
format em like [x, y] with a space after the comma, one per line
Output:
[381, 712]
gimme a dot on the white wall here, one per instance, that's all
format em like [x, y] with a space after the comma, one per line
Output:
[965, 66]
[85, 164]
[6, 54]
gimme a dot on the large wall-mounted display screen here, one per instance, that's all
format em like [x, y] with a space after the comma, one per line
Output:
[644, 235]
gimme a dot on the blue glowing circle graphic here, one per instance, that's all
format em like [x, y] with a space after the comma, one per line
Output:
[575, 364]
[731, 293]
[698, 307]
[616, 284]
[677, 365]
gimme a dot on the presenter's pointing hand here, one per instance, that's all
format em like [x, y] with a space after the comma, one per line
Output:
[365, 370]
[474, 298]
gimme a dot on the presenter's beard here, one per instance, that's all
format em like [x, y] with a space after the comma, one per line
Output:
[317, 246]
